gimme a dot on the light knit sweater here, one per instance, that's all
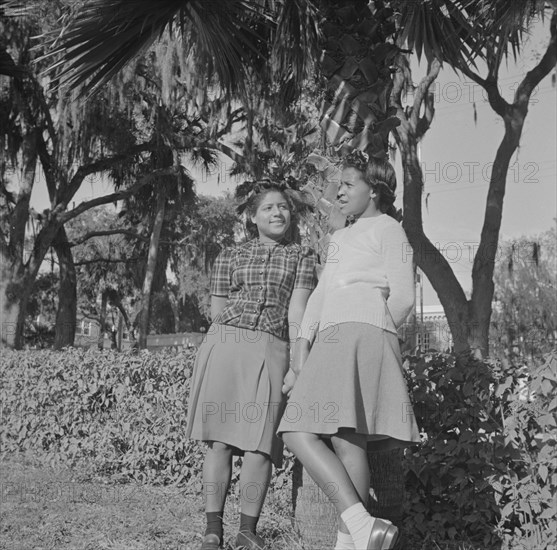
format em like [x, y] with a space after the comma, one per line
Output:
[368, 278]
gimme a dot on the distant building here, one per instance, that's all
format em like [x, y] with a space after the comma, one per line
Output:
[426, 330]
[434, 332]
[87, 336]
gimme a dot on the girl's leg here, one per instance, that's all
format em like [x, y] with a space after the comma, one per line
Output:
[324, 467]
[329, 473]
[217, 471]
[254, 482]
[351, 449]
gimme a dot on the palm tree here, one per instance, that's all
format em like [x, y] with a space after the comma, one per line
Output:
[238, 40]
[229, 39]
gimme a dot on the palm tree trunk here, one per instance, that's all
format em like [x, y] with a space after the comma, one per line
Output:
[120, 332]
[67, 293]
[102, 320]
[357, 60]
[11, 305]
[315, 516]
[16, 282]
[150, 271]
[16, 286]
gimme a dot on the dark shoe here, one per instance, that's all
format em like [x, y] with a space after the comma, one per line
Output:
[383, 536]
[211, 542]
[249, 541]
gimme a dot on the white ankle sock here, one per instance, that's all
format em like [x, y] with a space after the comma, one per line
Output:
[344, 541]
[359, 523]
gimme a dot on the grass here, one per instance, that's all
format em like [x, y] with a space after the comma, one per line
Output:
[53, 508]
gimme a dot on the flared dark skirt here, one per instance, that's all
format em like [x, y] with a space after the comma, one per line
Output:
[236, 396]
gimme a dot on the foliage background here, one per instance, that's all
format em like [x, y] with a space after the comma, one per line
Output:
[484, 474]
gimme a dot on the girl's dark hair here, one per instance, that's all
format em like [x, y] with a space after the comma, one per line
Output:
[379, 175]
[259, 190]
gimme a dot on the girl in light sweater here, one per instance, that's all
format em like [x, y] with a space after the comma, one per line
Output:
[351, 388]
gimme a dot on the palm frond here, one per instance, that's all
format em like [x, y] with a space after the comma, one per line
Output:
[504, 23]
[106, 34]
[441, 29]
[295, 47]
[204, 157]
[229, 38]
[12, 8]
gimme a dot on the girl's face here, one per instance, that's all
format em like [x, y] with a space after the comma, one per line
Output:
[355, 196]
[272, 217]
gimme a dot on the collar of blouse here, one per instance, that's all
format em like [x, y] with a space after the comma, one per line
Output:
[269, 244]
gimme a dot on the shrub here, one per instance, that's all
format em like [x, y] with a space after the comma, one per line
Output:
[123, 413]
[527, 490]
[485, 472]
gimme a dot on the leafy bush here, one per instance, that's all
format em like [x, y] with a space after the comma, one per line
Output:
[123, 413]
[527, 490]
[485, 472]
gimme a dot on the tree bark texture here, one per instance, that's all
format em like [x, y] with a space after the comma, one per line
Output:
[67, 293]
[144, 315]
[102, 320]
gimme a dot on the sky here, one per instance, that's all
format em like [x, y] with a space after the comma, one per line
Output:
[456, 156]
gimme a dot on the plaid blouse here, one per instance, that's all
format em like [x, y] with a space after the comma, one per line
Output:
[258, 281]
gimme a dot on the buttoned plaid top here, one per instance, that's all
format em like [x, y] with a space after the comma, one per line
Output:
[258, 281]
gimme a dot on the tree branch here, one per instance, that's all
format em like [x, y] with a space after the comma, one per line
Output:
[46, 161]
[20, 77]
[227, 150]
[99, 165]
[235, 116]
[105, 233]
[20, 215]
[127, 232]
[46, 111]
[10, 199]
[3, 243]
[425, 121]
[542, 69]
[498, 104]
[113, 197]
[495, 51]
[421, 91]
[466, 71]
[400, 79]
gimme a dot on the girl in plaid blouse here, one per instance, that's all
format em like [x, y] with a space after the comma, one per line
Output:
[259, 291]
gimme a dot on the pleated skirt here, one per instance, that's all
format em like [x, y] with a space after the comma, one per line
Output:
[236, 391]
[353, 379]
